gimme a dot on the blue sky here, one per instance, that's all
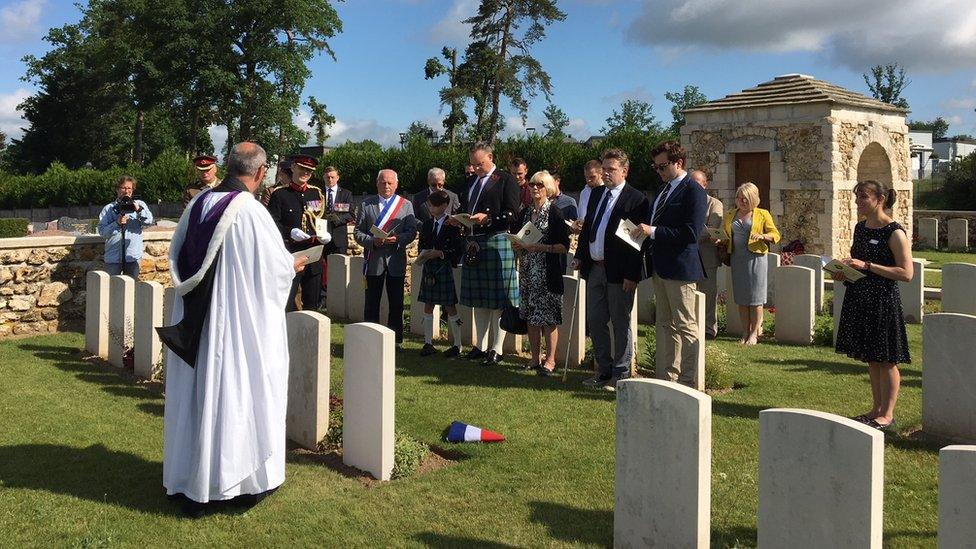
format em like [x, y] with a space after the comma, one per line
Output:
[604, 52]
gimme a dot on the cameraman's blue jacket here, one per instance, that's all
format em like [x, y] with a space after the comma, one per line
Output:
[109, 228]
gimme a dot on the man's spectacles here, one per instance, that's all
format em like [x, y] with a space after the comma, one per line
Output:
[662, 166]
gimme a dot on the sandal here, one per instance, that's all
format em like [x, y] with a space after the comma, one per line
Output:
[863, 418]
[546, 372]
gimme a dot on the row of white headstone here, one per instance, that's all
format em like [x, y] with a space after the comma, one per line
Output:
[117, 302]
[821, 476]
[958, 233]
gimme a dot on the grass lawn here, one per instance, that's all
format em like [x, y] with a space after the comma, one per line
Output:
[938, 259]
[81, 451]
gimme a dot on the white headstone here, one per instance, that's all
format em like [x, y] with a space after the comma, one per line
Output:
[700, 345]
[928, 232]
[147, 348]
[513, 344]
[356, 290]
[663, 465]
[645, 301]
[633, 330]
[569, 265]
[812, 261]
[913, 294]
[772, 263]
[959, 288]
[958, 234]
[416, 307]
[309, 368]
[368, 393]
[121, 291]
[957, 484]
[169, 296]
[572, 336]
[96, 313]
[839, 291]
[466, 314]
[821, 480]
[948, 383]
[794, 308]
[335, 296]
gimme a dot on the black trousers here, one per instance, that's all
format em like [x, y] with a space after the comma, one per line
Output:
[310, 282]
[394, 293]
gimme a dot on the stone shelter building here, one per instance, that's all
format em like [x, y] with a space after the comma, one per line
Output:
[805, 143]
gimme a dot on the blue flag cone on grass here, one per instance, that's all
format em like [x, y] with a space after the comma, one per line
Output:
[462, 432]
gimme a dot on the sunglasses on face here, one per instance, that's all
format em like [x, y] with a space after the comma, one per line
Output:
[537, 185]
[662, 166]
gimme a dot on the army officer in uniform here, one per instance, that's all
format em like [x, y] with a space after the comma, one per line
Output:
[296, 208]
[206, 166]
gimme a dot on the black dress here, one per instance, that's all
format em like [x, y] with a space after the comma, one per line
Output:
[872, 327]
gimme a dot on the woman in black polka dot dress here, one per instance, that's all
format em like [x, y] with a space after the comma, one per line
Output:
[872, 328]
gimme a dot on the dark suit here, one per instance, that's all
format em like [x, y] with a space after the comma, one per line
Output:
[448, 240]
[338, 221]
[606, 301]
[420, 204]
[499, 198]
[294, 209]
[674, 261]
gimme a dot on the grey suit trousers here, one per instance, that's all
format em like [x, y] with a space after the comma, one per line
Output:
[608, 303]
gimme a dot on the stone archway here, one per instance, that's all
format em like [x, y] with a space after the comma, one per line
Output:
[874, 164]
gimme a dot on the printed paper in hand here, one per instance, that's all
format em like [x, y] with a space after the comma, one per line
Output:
[850, 273]
[314, 254]
[623, 233]
[464, 219]
[378, 233]
[321, 226]
[528, 234]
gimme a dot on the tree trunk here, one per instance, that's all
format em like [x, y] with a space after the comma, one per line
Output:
[194, 130]
[496, 92]
[137, 145]
[452, 131]
[246, 128]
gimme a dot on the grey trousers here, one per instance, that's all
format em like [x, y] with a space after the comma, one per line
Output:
[608, 303]
[131, 269]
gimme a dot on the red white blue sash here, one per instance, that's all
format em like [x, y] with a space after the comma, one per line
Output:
[390, 212]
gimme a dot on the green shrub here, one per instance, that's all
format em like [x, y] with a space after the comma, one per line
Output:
[12, 227]
[823, 331]
[408, 454]
[718, 369]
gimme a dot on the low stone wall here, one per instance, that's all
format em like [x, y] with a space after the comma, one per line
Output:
[42, 279]
[944, 216]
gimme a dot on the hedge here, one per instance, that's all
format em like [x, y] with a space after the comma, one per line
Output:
[164, 178]
[13, 227]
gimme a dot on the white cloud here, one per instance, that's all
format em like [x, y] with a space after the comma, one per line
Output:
[449, 29]
[360, 129]
[11, 119]
[963, 103]
[19, 20]
[954, 120]
[639, 93]
[920, 36]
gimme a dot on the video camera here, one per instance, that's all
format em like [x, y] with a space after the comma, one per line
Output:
[125, 205]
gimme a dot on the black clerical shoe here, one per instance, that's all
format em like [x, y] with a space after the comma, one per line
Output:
[428, 350]
[194, 509]
[492, 359]
[474, 354]
[452, 352]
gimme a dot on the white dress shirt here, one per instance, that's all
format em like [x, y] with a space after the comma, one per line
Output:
[584, 201]
[596, 247]
[671, 186]
[475, 192]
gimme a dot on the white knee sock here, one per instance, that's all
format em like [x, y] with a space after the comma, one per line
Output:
[428, 328]
[482, 325]
[455, 322]
[496, 321]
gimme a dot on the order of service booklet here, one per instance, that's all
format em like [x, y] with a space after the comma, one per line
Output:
[528, 234]
[623, 233]
[850, 273]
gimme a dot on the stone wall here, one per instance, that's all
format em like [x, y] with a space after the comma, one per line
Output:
[42, 279]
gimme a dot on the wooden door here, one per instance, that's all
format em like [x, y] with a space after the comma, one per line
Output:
[754, 167]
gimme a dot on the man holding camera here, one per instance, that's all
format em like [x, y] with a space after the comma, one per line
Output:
[121, 224]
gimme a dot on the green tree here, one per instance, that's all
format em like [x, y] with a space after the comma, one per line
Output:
[634, 117]
[938, 127]
[453, 96]
[556, 122]
[320, 121]
[419, 131]
[516, 74]
[689, 97]
[887, 82]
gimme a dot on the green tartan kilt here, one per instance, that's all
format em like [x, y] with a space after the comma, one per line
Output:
[437, 283]
[493, 282]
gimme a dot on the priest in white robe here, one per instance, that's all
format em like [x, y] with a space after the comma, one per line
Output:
[227, 361]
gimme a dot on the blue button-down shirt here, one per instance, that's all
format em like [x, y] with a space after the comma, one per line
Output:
[109, 228]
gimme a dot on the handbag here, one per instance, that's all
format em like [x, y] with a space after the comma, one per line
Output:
[511, 322]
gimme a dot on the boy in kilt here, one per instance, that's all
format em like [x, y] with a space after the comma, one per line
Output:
[440, 248]
[489, 282]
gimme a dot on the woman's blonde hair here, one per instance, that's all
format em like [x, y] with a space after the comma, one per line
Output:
[546, 179]
[750, 192]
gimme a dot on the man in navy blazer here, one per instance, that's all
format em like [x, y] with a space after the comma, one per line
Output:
[611, 268]
[674, 262]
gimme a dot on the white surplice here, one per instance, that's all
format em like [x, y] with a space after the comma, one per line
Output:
[224, 420]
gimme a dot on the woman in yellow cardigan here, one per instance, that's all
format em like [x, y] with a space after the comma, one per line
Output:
[752, 230]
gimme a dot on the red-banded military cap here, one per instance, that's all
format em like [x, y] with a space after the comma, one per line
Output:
[204, 162]
[305, 161]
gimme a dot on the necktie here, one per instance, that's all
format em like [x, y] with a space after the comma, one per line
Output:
[476, 194]
[661, 199]
[329, 202]
[599, 214]
[437, 227]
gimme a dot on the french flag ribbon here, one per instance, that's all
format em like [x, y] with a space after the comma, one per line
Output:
[462, 432]
[387, 215]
